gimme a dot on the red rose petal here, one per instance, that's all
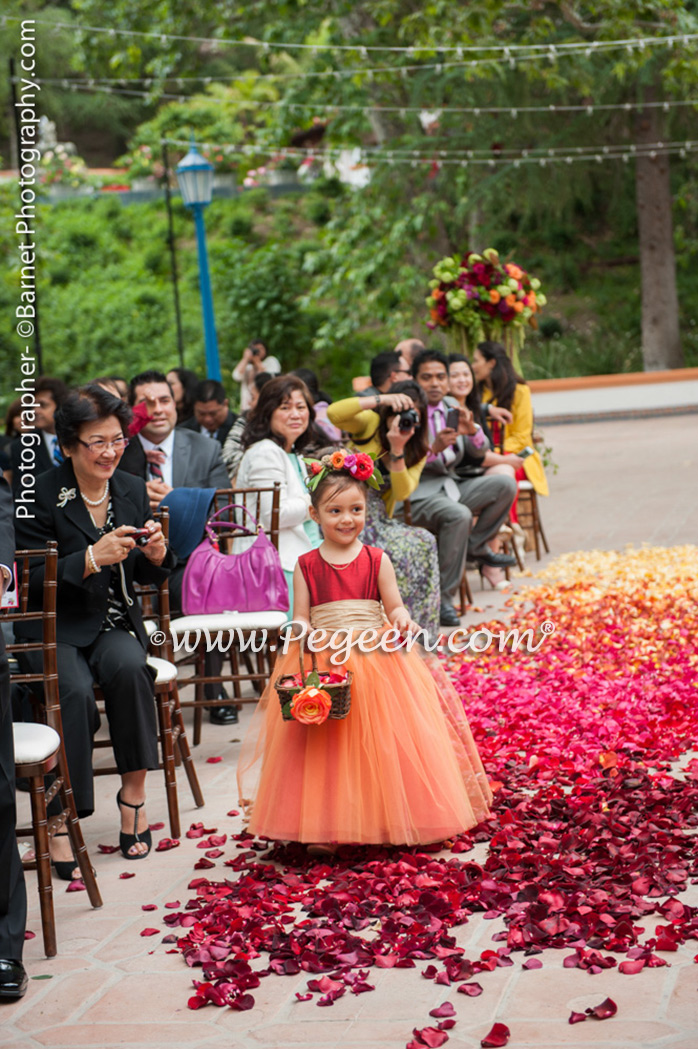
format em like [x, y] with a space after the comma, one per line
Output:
[108, 849]
[629, 968]
[473, 990]
[430, 1036]
[446, 1009]
[165, 844]
[213, 761]
[126, 875]
[149, 907]
[28, 935]
[498, 1036]
[605, 1010]
[577, 1018]
[155, 826]
[149, 932]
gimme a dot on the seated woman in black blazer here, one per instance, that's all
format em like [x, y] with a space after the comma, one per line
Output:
[91, 509]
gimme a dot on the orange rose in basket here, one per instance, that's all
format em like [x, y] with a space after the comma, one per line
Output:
[311, 706]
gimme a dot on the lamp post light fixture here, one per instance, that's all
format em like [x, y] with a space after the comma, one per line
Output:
[195, 178]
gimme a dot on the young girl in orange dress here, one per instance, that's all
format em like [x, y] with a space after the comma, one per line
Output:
[402, 767]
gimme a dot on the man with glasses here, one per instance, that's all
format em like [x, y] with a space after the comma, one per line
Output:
[386, 369]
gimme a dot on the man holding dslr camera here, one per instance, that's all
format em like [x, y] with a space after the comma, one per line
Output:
[444, 502]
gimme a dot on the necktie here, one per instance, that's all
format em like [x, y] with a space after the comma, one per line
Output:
[155, 459]
[57, 453]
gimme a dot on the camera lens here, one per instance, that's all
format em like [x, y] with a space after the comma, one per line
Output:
[409, 419]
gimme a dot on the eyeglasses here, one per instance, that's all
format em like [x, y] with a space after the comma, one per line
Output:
[97, 447]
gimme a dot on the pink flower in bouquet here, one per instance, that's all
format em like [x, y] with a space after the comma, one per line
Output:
[311, 706]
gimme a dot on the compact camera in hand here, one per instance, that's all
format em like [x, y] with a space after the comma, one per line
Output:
[141, 536]
[409, 419]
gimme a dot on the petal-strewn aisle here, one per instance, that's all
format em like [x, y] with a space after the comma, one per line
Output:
[592, 838]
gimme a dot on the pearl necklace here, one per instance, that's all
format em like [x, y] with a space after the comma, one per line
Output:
[97, 502]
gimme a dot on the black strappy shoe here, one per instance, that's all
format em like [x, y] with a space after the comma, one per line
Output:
[65, 868]
[127, 841]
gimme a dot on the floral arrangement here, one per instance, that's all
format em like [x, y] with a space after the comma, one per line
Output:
[360, 465]
[59, 166]
[224, 160]
[311, 703]
[142, 163]
[480, 297]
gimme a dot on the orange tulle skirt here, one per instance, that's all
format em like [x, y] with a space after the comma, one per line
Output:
[402, 768]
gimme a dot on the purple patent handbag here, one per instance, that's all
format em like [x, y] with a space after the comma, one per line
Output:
[251, 581]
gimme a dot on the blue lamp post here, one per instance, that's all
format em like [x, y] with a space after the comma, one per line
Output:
[195, 177]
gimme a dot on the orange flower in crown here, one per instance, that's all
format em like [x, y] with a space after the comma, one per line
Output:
[360, 465]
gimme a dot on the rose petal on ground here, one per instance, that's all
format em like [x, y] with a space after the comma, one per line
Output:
[498, 1036]
[443, 1010]
[605, 1010]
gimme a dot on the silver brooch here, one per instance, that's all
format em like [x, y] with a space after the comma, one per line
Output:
[65, 495]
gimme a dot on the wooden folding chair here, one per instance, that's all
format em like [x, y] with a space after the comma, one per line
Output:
[174, 745]
[39, 748]
[236, 628]
[529, 516]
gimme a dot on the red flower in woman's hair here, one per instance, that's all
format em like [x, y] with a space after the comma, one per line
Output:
[140, 419]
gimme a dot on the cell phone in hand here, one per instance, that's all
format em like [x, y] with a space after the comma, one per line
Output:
[526, 452]
[452, 419]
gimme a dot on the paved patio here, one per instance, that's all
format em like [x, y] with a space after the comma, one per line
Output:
[618, 483]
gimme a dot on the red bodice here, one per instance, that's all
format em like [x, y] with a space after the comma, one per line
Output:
[326, 582]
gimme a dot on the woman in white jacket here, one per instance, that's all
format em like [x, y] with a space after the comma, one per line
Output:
[280, 430]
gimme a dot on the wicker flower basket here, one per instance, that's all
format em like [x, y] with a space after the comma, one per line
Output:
[340, 691]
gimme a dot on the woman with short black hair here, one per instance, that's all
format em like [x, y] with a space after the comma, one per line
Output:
[92, 510]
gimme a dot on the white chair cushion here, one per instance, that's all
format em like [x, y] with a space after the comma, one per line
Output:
[34, 742]
[525, 486]
[150, 626]
[230, 621]
[166, 671]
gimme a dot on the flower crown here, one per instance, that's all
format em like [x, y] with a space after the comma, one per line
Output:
[360, 465]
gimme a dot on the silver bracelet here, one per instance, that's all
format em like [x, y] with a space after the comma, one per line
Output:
[94, 567]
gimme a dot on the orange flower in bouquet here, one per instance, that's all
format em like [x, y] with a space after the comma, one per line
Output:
[311, 706]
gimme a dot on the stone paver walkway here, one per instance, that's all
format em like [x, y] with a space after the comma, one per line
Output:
[617, 483]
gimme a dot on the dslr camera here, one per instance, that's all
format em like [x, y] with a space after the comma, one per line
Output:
[408, 419]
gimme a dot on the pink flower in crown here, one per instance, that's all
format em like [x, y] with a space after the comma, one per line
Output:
[350, 463]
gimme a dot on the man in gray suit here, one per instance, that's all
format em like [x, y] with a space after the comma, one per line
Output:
[443, 502]
[168, 458]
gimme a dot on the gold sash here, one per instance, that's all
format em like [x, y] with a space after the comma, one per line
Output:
[348, 615]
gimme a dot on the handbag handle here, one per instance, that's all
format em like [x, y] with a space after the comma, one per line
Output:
[211, 523]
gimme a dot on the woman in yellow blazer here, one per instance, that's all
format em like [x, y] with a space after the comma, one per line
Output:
[502, 386]
[374, 427]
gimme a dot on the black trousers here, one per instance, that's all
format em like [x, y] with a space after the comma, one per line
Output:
[13, 896]
[116, 661]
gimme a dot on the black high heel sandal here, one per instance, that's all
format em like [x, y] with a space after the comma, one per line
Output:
[127, 841]
[64, 868]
